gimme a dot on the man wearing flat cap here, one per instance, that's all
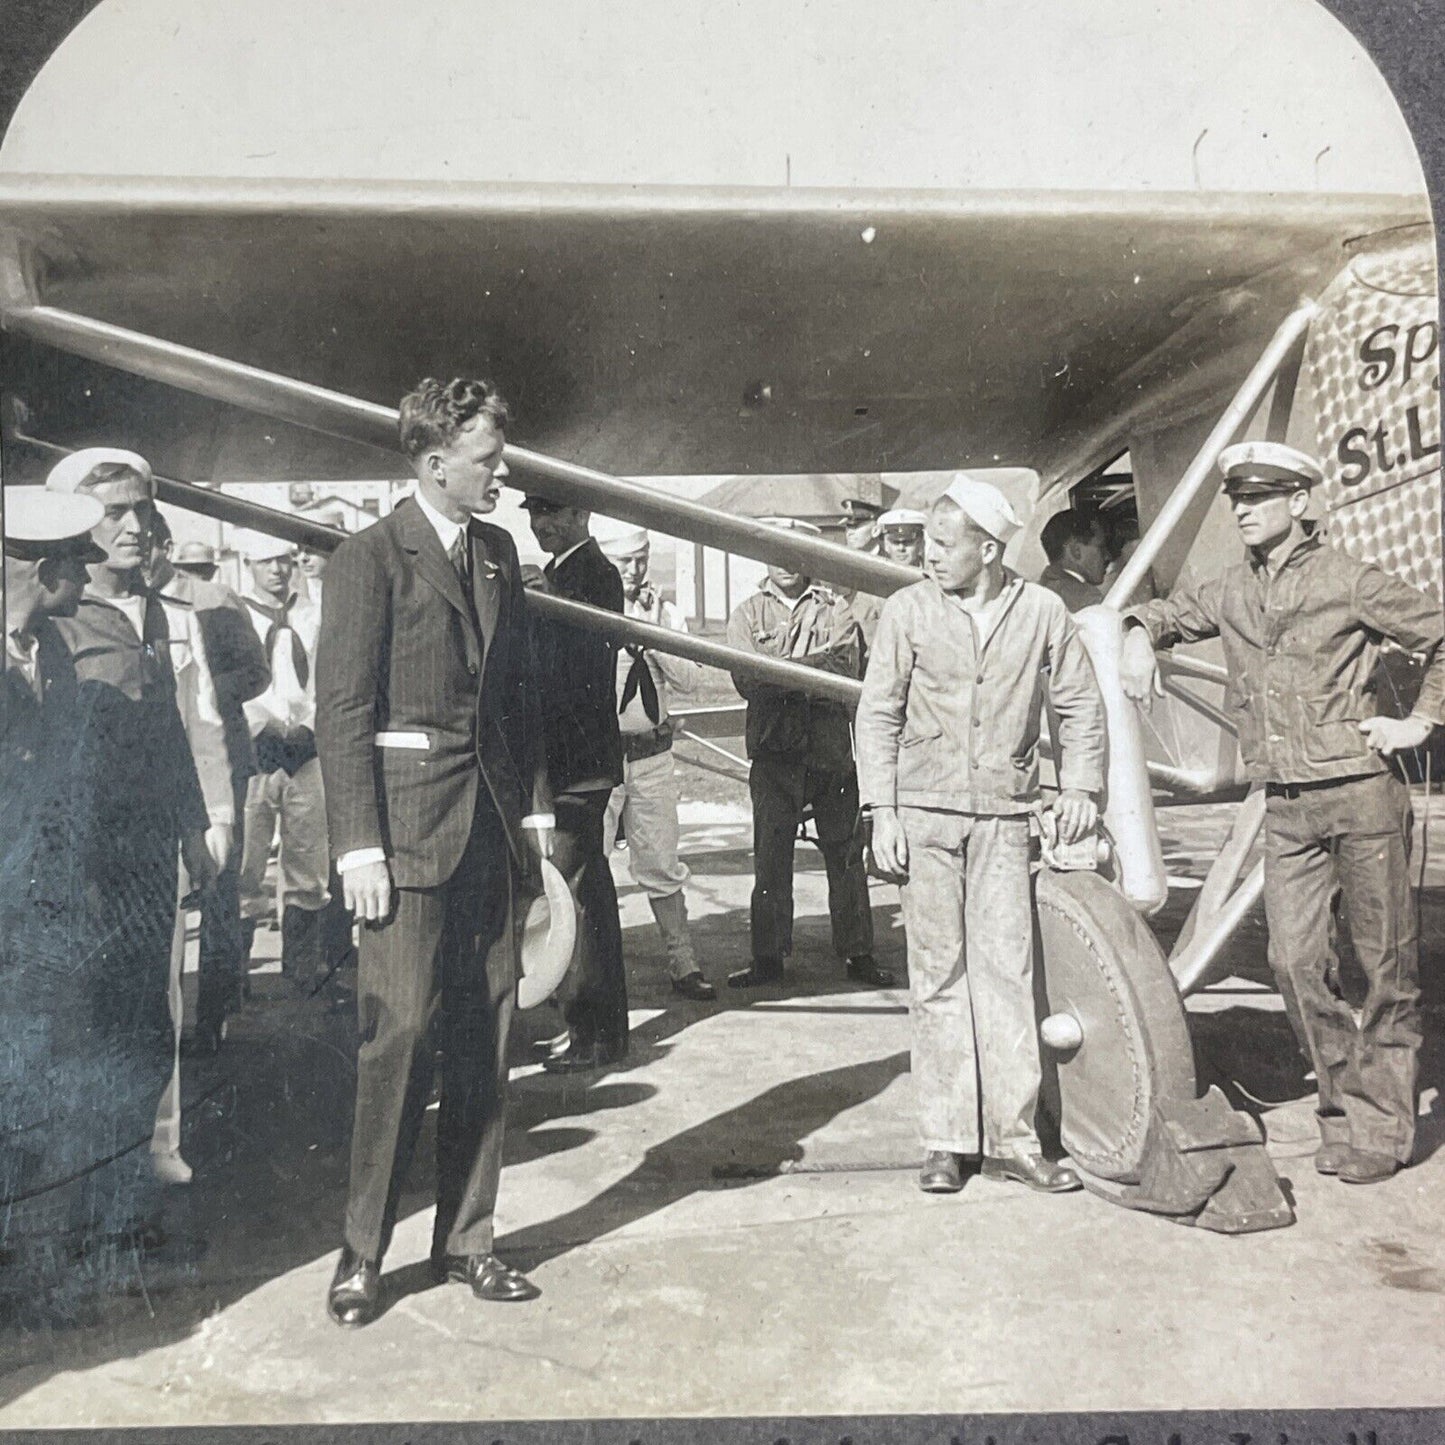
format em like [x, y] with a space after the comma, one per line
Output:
[1302, 623]
[577, 672]
[948, 732]
[801, 756]
[135, 811]
[645, 804]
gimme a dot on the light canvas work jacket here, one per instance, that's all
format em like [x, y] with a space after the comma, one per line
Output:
[951, 721]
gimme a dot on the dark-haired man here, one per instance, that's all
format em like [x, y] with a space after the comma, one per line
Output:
[1078, 551]
[428, 729]
[584, 764]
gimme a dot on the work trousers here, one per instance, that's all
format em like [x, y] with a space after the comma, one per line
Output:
[781, 789]
[223, 948]
[440, 972]
[298, 803]
[594, 994]
[1349, 839]
[645, 803]
[968, 913]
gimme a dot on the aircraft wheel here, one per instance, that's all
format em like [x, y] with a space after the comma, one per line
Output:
[1114, 1038]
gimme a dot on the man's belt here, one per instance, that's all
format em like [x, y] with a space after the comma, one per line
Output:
[638, 746]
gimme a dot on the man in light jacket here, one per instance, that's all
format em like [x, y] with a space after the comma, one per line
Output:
[948, 729]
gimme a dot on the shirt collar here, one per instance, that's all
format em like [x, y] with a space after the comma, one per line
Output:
[21, 647]
[561, 557]
[1310, 544]
[811, 590]
[447, 530]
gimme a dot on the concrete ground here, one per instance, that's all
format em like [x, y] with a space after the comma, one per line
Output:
[729, 1224]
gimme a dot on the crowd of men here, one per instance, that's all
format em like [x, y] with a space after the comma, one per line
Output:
[422, 737]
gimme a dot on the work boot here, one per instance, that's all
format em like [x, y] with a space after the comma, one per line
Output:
[687, 979]
[1360, 1166]
[863, 968]
[759, 974]
[1035, 1171]
[1329, 1158]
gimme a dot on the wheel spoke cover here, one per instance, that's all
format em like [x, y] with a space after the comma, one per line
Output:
[1097, 960]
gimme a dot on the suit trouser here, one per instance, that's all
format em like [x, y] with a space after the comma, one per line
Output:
[223, 947]
[299, 802]
[440, 972]
[595, 997]
[781, 788]
[1349, 838]
[968, 912]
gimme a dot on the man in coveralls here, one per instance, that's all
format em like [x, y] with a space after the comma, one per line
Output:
[948, 731]
[1302, 624]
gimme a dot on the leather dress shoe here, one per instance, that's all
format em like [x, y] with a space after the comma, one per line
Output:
[760, 973]
[578, 1058]
[863, 969]
[1329, 1157]
[1035, 1171]
[488, 1277]
[942, 1173]
[1361, 1166]
[354, 1297]
[695, 987]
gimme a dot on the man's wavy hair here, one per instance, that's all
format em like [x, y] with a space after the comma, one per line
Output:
[433, 414]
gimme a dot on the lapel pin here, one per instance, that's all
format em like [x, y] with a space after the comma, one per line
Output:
[489, 570]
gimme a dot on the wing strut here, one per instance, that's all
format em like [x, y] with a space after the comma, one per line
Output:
[336, 414]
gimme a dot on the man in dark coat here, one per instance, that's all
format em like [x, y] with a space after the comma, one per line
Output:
[427, 725]
[577, 671]
[132, 796]
[47, 547]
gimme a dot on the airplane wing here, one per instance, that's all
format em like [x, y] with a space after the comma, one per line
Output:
[662, 330]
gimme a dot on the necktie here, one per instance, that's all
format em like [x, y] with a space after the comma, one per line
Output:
[461, 555]
[281, 622]
[639, 682]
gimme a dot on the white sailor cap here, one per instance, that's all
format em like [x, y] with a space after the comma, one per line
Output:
[902, 517]
[259, 547]
[72, 472]
[1267, 469]
[984, 505]
[41, 523]
[619, 539]
[792, 524]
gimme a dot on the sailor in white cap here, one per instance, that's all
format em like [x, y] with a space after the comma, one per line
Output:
[287, 792]
[1302, 623]
[136, 808]
[47, 548]
[801, 754]
[947, 730]
[645, 803]
[900, 532]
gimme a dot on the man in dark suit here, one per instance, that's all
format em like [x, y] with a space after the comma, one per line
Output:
[584, 763]
[426, 722]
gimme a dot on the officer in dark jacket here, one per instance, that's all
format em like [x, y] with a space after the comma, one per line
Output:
[576, 672]
[1302, 623]
[801, 753]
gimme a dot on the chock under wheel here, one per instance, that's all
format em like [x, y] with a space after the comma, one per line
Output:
[1119, 1071]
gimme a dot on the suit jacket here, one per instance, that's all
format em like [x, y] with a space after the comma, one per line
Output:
[420, 701]
[579, 671]
[237, 660]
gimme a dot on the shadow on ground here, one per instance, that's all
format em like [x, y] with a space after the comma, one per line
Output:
[267, 1126]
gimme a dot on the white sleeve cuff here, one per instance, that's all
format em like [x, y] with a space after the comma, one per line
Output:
[359, 858]
[540, 820]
